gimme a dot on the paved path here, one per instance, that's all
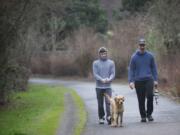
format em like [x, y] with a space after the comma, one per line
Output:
[166, 114]
[66, 121]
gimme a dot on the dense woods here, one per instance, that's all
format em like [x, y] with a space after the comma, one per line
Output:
[61, 38]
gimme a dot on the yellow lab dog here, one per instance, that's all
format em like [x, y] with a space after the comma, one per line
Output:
[117, 109]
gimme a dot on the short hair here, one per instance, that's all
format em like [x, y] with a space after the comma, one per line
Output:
[102, 50]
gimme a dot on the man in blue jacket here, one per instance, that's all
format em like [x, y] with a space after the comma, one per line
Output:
[104, 73]
[143, 76]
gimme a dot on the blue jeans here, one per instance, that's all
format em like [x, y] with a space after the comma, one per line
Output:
[100, 100]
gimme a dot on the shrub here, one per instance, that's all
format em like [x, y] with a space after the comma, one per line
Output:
[134, 5]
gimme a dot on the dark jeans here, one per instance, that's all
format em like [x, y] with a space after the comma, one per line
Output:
[100, 100]
[144, 90]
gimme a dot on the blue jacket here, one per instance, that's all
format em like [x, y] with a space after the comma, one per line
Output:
[142, 67]
[103, 69]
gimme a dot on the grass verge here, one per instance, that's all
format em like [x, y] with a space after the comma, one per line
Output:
[81, 114]
[37, 111]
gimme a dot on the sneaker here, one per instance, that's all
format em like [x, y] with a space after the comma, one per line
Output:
[108, 120]
[101, 121]
[143, 119]
[150, 118]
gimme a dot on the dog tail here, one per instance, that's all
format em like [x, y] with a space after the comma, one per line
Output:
[107, 96]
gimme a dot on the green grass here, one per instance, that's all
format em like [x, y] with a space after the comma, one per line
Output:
[81, 114]
[38, 111]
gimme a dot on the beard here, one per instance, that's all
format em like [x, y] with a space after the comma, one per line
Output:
[103, 58]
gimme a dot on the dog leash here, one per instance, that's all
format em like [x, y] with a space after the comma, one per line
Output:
[156, 95]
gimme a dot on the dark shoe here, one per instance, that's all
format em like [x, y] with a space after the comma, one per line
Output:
[150, 118]
[143, 119]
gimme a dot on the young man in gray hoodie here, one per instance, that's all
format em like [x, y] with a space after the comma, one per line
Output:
[104, 73]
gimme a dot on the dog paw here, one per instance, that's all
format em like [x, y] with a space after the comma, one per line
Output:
[113, 125]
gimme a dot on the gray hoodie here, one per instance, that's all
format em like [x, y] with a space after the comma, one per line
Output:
[103, 69]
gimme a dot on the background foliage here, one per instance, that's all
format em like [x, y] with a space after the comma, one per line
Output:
[61, 37]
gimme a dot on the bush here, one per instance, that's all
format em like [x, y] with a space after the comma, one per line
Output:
[63, 65]
[134, 5]
[85, 13]
[166, 43]
[83, 48]
[40, 64]
[12, 77]
[167, 22]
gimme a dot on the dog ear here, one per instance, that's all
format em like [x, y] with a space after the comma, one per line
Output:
[116, 99]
